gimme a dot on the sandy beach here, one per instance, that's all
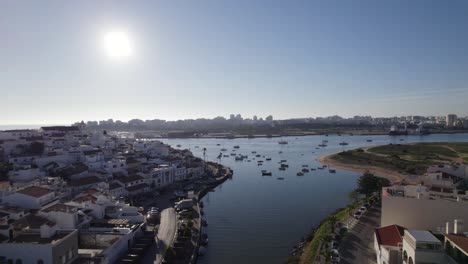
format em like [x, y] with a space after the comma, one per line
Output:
[391, 175]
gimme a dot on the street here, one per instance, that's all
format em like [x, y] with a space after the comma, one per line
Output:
[357, 247]
[164, 238]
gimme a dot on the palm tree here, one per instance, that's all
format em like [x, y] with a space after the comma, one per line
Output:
[204, 159]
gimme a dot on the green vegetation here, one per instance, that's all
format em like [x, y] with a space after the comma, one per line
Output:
[4, 169]
[407, 158]
[416, 151]
[369, 184]
[322, 233]
[394, 162]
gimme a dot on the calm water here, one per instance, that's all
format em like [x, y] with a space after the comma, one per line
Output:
[258, 219]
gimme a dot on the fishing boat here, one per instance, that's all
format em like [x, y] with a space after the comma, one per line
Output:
[300, 173]
[332, 170]
[268, 159]
[284, 160]
[305, 166]
[305, 170]
[284, 165]
[179, 146]
[223, 149]
[282, 142]
[280, 178]
[266, 173]
[239, 158]
[282, 168]
[344, 143]
[369, 140]
[322, 145]
[236, 147]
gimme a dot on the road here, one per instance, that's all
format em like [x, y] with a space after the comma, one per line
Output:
[166, 232]
[164, 238]
[357, 247]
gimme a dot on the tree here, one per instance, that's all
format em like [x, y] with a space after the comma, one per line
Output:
[368, 184]
[4, 169]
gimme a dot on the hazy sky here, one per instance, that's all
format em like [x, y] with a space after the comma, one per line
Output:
[195, 59]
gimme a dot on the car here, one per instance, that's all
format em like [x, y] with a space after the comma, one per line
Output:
[362, 209]
[357, 215]
[334, 256]
[333, 245]
[367, 205]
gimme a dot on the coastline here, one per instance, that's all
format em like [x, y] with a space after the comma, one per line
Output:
[219, 180]
[379, 172]
[292, 134]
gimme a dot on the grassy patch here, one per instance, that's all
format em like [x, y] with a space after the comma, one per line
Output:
[417, 151]
[394, 162]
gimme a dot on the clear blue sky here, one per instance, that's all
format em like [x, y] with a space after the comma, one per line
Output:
[206, 58]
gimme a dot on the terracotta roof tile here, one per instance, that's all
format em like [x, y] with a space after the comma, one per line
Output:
[460, 241]
[85, 181]
[391, 235]
[32, 222]
[34, 191]
[59, 208]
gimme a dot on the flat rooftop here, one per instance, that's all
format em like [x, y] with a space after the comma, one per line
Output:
[423, 236]
[36, 239]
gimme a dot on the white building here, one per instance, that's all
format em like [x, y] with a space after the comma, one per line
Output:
[423, 247]
[419, 207]
[41, 245]
[65, 216]
[163, 175]
[451, 120]
[33, 197]
[388, 243]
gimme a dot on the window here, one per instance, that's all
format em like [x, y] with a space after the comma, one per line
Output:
[405, 256]
[410, 260]
[40, 261]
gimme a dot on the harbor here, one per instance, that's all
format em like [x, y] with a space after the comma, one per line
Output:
[255, 211]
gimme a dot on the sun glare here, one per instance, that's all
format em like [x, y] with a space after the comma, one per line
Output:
[117, 44]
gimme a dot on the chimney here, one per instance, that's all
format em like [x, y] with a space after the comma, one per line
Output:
[448, 228]
[458, 226]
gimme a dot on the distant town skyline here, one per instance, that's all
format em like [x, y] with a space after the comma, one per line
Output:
[65, 61]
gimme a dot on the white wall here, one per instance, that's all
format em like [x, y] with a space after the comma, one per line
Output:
[421, 214]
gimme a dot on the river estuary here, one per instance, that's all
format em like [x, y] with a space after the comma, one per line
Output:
[258, 219]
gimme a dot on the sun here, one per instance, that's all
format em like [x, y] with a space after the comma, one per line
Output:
[117, 44]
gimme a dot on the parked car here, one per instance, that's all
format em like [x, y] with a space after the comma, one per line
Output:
[334, 244]
[362, 209]
[357, 215]
[334, 256]
[367, 205]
